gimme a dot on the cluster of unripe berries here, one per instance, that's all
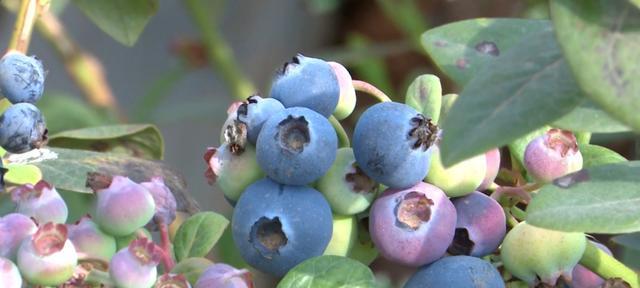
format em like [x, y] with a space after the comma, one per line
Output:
[297, 194]
[38, 248]
[22, 126]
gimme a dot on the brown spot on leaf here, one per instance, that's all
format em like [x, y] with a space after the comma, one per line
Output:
[488, 47]
[440, 43]
[462, 63]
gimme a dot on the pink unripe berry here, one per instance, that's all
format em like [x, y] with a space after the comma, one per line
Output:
[41, 201]
[9, 274]
[224, 276]
[493, 167]
[48, 258]
[135, 266]
[347, 100]
[552, 155]
[14, 228]
[585, 278]
[90, 242]
[123, 206]
[165, 211]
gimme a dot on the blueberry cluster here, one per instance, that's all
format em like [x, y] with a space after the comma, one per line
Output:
[22, 126]
[297, 195]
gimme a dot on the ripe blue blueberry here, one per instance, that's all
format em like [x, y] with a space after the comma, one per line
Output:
[21, 78]
[456, 272]
[481, 225]
[22, 128]
[255, 111]
[392, 144]
[413, 226]
[296, 146]
[277, 226]
[307, 82]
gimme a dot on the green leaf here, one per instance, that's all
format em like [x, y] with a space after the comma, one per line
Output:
[19, 174]
[529, 87]
[587, 117]
[600, 199]
[64, 112]
[425, 95]
[594, 155]
[198, 234]
[69, 169]
[601, 42]
[123, 20]
[628, 249]
[461, 49]
[141, 140]
[330, 272]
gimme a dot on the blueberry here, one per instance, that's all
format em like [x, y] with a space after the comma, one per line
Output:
[535, 254]
[346, 187]
[344, 236]
[296, 146]
[9, 274]
[457, 272]
[254, 112]
[232, 116]
[347, 100]
[552, 155]
[391, 143]
[480, 227]
[135, 266]
[232, 170]
[493, 167]
[21, 78]
[41, 201]
[14, 228]
[224, 276]
[307, 82]
[413, 226]
[459, 179]
[164, 200]
[277, 226]
[47, 258]
[22, 128]
[90, 242]
[585, 278]
[122, 206]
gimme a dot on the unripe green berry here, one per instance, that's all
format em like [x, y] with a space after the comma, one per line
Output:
[531, 253]
[460, 179]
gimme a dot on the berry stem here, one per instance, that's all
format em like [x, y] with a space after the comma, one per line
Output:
[85, 69]
[518, 213]
[165, 245]
[607, 266]
[365, 87]
[219, 53]
[511, 221]
[23, 27]
[343, 138]
[583, 138]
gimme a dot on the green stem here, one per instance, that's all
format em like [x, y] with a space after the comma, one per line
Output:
[371, 90]
[583, 137]
[518, 213]
[343, 138]
[511, 221]
[98, 277]
[23, 26]
[607, 267]
[219, 53]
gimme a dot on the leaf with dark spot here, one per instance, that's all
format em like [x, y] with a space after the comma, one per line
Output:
[69, 172]
[601, 42]
[138, 140]
[600, 199]
[461, 49]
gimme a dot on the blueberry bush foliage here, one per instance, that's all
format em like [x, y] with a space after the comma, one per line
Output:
[497, 184]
